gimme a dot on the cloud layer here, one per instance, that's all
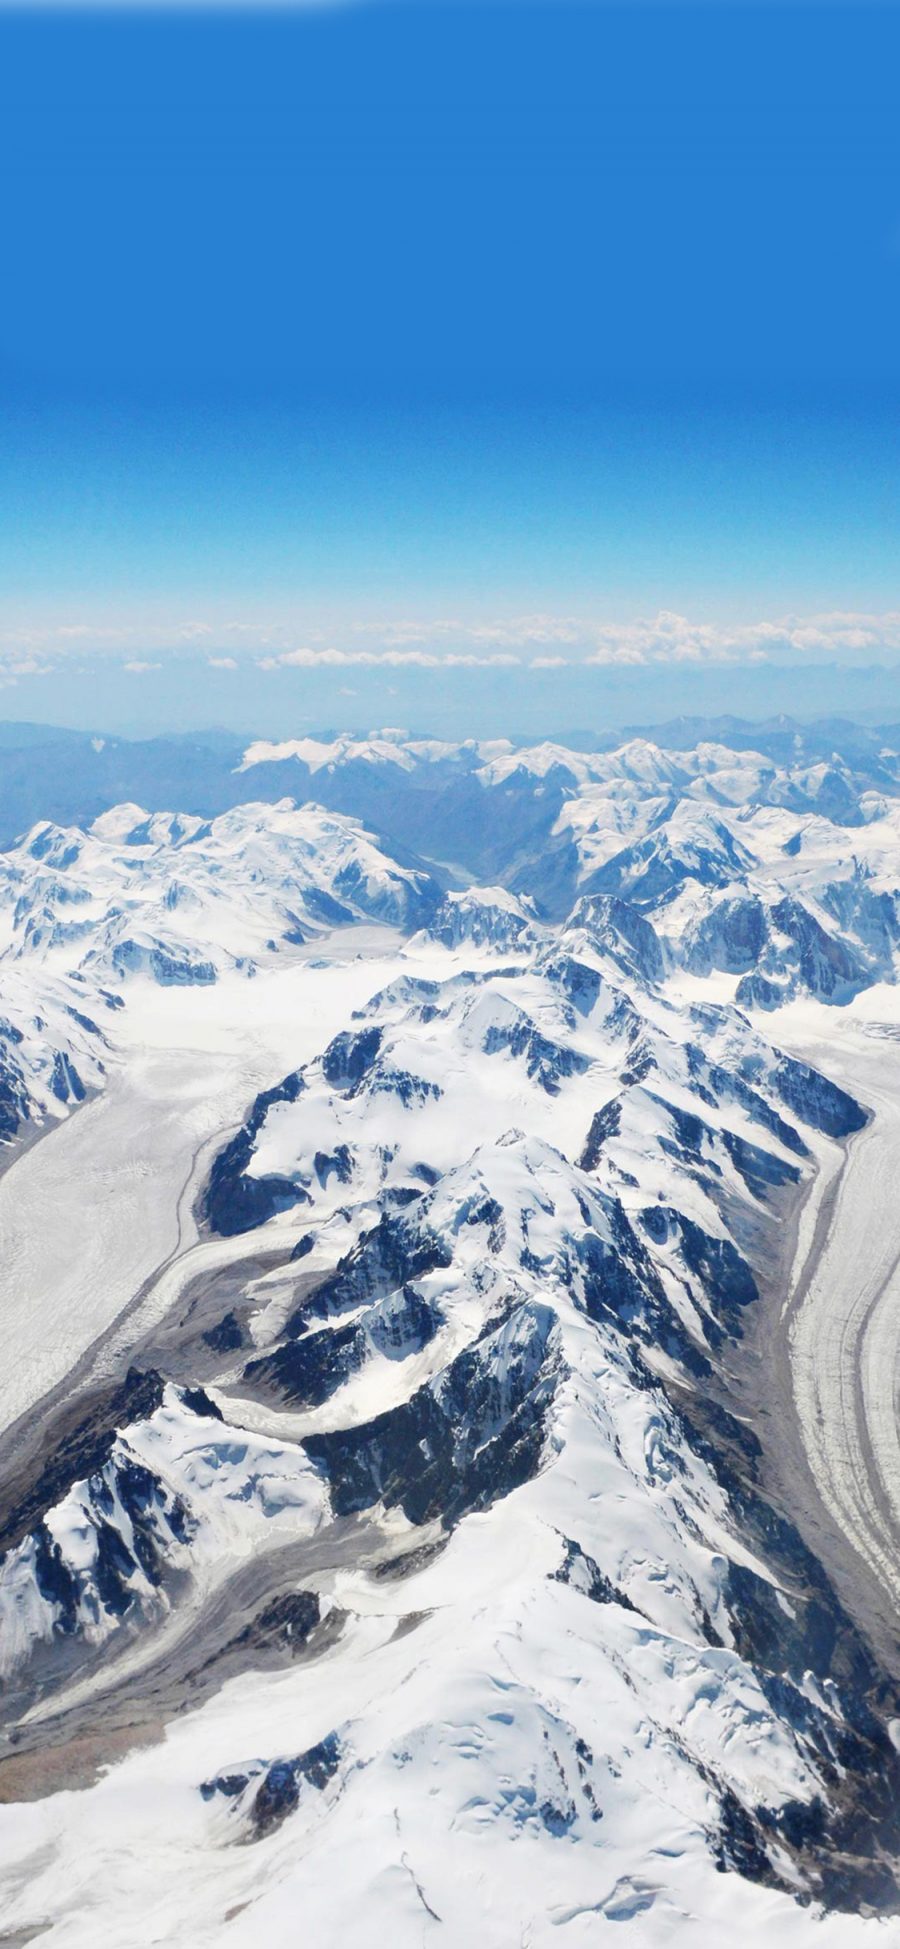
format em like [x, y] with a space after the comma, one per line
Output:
[538, 643]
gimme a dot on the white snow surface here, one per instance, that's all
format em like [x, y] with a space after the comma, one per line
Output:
[186, 899]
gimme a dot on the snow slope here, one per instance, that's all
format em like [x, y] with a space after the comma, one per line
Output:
[185, 899]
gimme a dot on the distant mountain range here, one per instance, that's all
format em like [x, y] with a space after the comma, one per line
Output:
[70, 777]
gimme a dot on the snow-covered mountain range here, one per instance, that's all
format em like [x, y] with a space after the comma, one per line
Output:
[468, 1512]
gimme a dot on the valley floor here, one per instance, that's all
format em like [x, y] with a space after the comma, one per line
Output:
[841, 1319]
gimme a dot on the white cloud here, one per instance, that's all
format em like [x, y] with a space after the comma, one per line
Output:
[332, 659]
[671, 638]
[532, 641]
[29, 666]
[617, 653]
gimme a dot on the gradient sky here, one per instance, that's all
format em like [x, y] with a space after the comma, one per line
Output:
[356, 360]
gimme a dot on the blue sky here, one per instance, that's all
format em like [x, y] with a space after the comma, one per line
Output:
[470, 365]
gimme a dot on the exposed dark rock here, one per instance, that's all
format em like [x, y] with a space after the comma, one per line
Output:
[229, 1785]
[760, 1169]
[15, 1105]
[460, 1442]
[621, 1286]
[169, 970]
[348, 1059]
[580, 984]
[279, 1790]
[227, 1336]
[622, 933]
[236, 1202]
[286, 1622]
[199, 1402]
[83, 1452]
[730, 936]
[654, 868]
[546, 1062]
[605, 1123]
[717, 1085]
[322, 906]
[820, 1103]
[337, 1163]
[55, 1580]
[726, 1282]
[308, 1370]
[397, 1251]
[65, 1081]
[584, 1575]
